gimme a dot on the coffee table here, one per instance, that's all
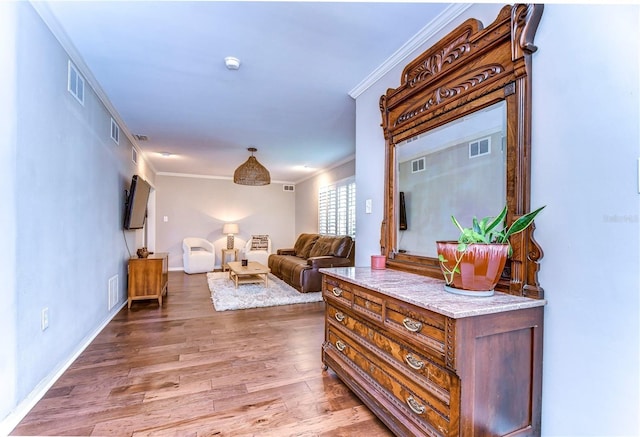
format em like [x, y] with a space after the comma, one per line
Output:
[252, 273]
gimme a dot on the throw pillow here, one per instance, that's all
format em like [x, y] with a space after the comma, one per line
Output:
[304, 244]
[322, 247]
[259, 242]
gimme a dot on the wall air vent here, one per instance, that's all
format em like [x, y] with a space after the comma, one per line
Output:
[115, 131]
[75, 83]
[288, 188]
[418, 165]
[113, 291]
[480, 147]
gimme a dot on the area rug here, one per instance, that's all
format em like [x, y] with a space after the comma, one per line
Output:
[226, 297]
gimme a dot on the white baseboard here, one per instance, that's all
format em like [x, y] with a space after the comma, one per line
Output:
[22, 409]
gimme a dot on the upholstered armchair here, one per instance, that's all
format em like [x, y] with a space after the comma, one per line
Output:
[198, 255]
[258, 249]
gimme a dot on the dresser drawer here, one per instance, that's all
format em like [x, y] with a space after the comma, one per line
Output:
[419, 327]
[367, 305]
[408, 396]
[435, 380]
[337, 292]
[360, 299]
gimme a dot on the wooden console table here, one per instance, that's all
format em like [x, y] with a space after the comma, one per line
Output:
[225, 254]
[431, 363]
[148, 277]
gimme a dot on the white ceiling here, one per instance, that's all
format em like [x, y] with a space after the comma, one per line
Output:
[161, 64]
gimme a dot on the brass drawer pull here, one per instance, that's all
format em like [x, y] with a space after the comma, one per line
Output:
[337, 291]
[415, 406]
[412, 325]
[413, 362]
[340, 346]
[340, 317]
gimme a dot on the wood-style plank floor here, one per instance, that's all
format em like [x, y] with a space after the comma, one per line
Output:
[185, 369]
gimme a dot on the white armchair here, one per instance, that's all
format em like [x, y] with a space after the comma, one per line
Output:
[258, 248]
[198, 255]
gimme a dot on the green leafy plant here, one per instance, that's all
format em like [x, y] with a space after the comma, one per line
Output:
[489, 230]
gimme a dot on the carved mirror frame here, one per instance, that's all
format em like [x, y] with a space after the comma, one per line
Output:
[470, 69]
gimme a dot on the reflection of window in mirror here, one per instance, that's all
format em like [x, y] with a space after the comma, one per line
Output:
[458, 169]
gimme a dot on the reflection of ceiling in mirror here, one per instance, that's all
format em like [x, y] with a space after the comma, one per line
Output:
[480, 123]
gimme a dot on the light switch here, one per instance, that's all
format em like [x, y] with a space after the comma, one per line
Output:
[367, 206]
[165, 218]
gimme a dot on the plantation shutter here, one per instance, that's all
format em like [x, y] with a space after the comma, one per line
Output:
[337, 209]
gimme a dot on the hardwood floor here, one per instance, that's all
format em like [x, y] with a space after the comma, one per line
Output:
[185, 369]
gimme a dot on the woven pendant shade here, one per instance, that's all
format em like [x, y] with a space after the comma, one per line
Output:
[252, 172]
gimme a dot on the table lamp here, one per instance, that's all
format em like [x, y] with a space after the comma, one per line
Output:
[230, 229]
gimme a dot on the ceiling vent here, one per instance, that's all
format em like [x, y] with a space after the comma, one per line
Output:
[288, 188]
[141, 137]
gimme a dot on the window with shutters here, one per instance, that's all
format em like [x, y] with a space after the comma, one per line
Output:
[337, 209]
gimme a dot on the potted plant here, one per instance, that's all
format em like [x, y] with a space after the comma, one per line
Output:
[473, 264]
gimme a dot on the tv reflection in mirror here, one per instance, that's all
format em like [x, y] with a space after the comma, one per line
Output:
[403, 212]
[136, 203]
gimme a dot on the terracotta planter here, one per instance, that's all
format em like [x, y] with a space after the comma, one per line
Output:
[480, 267]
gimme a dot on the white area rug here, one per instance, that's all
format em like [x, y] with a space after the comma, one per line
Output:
[226, 297]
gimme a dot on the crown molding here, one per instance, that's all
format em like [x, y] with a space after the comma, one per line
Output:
[429, 31]
[349, 158]
[204, 176]
[229, 178]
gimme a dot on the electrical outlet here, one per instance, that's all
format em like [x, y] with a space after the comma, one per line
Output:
[44, 322]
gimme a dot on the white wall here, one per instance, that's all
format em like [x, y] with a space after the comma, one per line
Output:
[8, 150]
[63, 205]
[307, 195]
[199, 207]
[585, 146]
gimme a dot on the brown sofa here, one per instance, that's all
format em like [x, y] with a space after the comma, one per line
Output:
[299, 266]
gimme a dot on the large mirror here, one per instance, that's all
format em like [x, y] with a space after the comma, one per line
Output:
[458, 143]
[457, 169]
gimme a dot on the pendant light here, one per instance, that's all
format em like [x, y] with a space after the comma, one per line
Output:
[252, 172]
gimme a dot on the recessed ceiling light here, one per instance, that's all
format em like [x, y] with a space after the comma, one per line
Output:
[166, 154]
[232, 63]
[304, 168]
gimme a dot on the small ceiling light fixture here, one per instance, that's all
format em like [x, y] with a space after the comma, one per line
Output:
[166, 154]
[252, 172]
[232, 63]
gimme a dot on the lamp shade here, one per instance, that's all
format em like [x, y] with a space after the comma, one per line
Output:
[230, 228]
[251, 172]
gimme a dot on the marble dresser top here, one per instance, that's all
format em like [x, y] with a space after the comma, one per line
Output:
[427, 292]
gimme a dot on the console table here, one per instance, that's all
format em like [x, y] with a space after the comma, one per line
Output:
[432, 363]
[148, 277]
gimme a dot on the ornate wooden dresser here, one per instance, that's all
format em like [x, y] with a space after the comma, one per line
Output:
[431, 363]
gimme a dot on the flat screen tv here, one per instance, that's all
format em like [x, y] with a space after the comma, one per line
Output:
[135, 209]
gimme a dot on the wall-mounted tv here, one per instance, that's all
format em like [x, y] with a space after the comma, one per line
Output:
[135, 209]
